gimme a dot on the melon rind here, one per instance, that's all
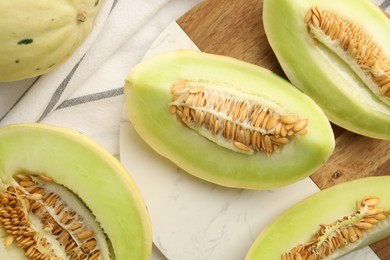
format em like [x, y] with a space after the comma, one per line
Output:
[148, 95]
[84, 167]
[320, 73]
[297, 224]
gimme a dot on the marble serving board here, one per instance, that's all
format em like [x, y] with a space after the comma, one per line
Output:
[194, 219]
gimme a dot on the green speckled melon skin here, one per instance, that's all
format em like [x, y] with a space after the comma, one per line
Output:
[37, 36]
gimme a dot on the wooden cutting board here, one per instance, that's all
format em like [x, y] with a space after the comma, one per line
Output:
[235, 28]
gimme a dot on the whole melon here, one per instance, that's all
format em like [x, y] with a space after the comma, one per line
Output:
[37, 36]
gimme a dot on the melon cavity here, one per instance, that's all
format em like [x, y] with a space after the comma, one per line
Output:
[48, 221]
[355, 47]
[233, 120]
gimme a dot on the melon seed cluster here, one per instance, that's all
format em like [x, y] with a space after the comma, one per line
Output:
[356, 44]
[350, 229]
[231, 121]
[27, 197]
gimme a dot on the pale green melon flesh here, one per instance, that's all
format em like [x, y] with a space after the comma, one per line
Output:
[38, 36]
[297, 225]
[96, 177]
[10, 252]
[320, 73]
[148, 96]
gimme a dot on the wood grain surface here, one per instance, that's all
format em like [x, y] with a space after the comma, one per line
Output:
[235, 28]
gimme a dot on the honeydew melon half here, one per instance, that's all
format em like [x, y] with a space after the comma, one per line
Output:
[58, 171]
[155, 94]
[298, 225]
[341, 82]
